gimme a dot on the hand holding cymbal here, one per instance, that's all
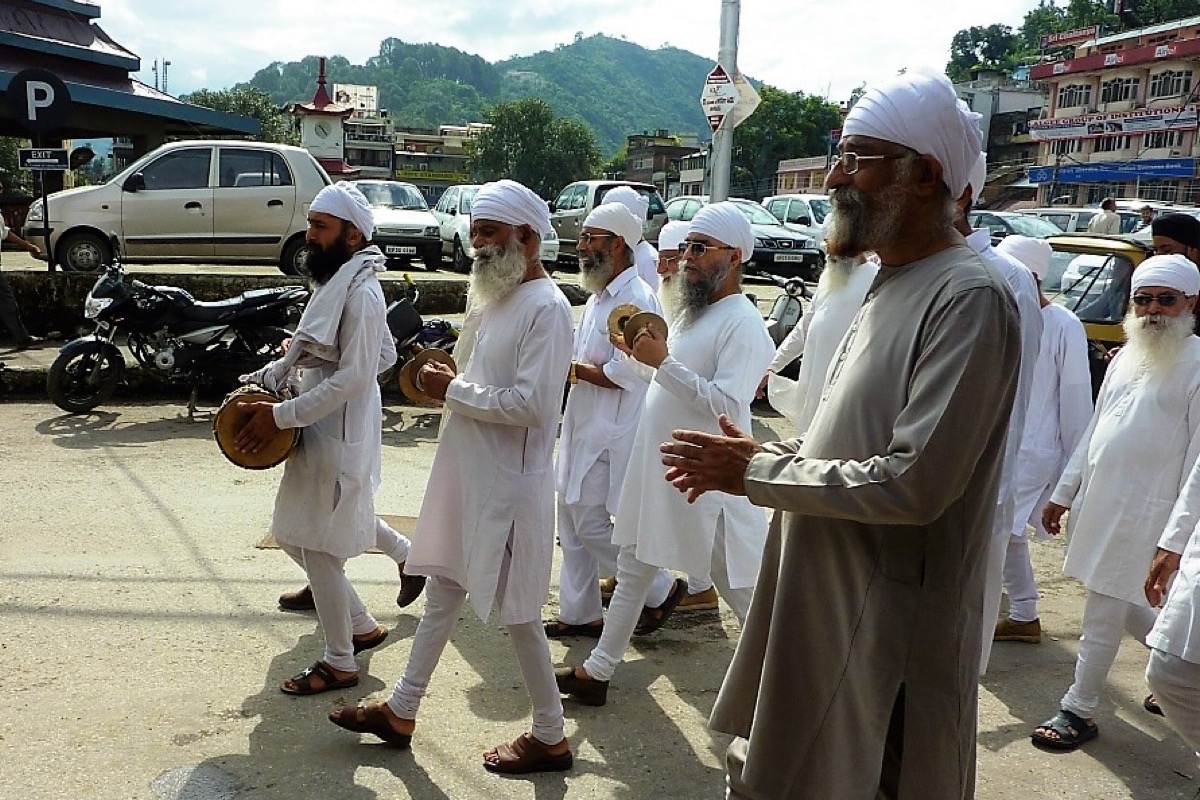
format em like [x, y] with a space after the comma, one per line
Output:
[412, 380]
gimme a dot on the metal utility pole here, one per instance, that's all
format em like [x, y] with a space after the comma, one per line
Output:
[721, 155]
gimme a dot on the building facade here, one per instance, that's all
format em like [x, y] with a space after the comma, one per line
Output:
[802, 175]
[1121, 118]
[1006, 106]
[433, 160]
[654, 157]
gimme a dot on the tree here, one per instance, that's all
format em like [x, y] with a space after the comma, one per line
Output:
[786, 125]
[976, 48]
[618, 163]
[529, 144]
[16, 180]
[251, 102]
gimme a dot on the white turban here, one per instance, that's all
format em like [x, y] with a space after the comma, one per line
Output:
[1173, 271]
[616, 218]
[1033, 253]
[672, 235]
[921, 111]
[513, 204]
[725, 223]
[346, 201]
[637, 203]
[978, 177]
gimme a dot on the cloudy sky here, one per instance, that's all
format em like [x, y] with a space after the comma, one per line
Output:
[824, 48]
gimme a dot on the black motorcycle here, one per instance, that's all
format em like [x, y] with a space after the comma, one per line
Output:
[174, 337]
[413, 333]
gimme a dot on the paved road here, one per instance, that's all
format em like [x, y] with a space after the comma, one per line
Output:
[142, 650]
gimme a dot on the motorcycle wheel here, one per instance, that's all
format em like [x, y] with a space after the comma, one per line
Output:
[80, 381]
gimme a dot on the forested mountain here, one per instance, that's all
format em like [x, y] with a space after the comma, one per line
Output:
[615, 87]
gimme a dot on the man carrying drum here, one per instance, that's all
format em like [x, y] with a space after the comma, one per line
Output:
[324, 510]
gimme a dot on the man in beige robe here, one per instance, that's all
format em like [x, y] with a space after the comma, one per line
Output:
[857, 672]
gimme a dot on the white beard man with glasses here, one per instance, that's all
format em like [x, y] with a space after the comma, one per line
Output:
[1125, 475]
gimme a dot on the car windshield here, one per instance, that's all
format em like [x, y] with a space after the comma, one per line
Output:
[757, 214]
[394, 195]
[1028, 225]
[466, 199]
[820, 208]
[1093, 285]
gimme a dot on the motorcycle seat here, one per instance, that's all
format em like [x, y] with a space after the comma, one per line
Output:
[220, 310]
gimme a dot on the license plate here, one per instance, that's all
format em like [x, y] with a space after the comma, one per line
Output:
[789, 257]
[399, 250]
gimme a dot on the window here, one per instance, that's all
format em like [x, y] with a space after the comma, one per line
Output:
[778, 208]
[1164, 191]
[1119, 89]
[1074, 94]
[1111, 144]
[1171, 83]
[1162, 139]
[568, 196]
[183, 169]
[1064, 147]
[241, 168]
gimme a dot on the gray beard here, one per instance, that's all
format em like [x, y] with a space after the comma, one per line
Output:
[858, 224]
[495, 272]
[694, 294]
[1155, 339]
[595, 271]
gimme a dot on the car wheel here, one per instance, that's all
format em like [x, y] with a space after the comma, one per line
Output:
[433, 263]
[461, 262]
[83, 252]
[292, 259]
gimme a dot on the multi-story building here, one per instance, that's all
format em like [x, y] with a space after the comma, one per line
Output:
[432, 159]
[1121, 118]
[802, 175]
[654, 157]
[1007, 105]
[368, 131]
[693, 174]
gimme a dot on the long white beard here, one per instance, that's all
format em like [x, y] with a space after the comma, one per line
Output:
[837, 272]
[669, 295]
[495, 272]
[1157, 339]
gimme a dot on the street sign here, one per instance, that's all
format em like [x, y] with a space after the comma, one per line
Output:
[719, 96]
[748, 101]
[38, 100]
[45, 159]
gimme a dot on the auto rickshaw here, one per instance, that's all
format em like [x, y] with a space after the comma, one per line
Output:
[1090, 275]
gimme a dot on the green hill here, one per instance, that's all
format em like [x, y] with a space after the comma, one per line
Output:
[615, 87]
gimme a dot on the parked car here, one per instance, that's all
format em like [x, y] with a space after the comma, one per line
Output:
[405, 230]
[453, 214]
[799, 209]
[1075, 220]
[1003, 223]
[577, 200]
[777, 249]
[197, 201]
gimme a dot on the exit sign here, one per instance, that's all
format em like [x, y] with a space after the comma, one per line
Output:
[54, 158]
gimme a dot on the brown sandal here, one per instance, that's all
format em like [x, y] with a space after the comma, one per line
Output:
[369, 719]
[373, 639]
[524, 755]
[304, 685]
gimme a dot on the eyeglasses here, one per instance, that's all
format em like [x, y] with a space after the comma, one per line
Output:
[851, 161]
[1166, 300]
[700, 248]
[587, 238]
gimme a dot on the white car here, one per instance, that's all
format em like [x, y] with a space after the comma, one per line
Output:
[453, 213]
[405, 230]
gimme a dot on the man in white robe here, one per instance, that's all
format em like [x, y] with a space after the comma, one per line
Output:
[645, 255]
[1060, 405]
[856, 676]
[1020, 282]
[1123, 480]
[599, 422]
[709, 365]
[486, 526]
[324, 511]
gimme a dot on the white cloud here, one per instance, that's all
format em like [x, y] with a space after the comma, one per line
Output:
[818, 48]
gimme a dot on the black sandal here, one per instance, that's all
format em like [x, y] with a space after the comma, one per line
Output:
[1151, 705]
[557, 629]
[1071, 729]
[304, 681]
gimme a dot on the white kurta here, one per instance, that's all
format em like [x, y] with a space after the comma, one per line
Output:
[714, 367]
[597, 419]
[1128, 470]
[1177, 630]
[645, 257]
[491, 486]
[1060, 405]
[817, 338]
[325, 497]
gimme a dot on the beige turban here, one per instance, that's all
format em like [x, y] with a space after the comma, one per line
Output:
[1033, 253]
[637, 203]
[921, 111]
[725, 223]
[346, 201]
[513, 204]
[1173, 271]
[616, 218]
[672, 235]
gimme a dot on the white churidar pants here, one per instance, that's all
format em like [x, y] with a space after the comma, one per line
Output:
[391, 542]
[339, 609]
[1105, 619]
[1019, 582]
[1176, 687]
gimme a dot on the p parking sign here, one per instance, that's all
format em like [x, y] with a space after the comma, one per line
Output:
[38, 100]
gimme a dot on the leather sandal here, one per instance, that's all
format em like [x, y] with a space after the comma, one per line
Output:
[557, 629]
[370, 640]
[524, 755]
[299, 600]
[303, 683]
[411, 587]
[589, 692]
[654, 618]
[1071, 731]
[370, 719]
[1151, 705]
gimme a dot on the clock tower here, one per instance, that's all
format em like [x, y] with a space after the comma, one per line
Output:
[321, 129]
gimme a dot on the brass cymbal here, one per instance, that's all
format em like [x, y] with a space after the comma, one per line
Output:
[619, 316]
[639, 322]
[410, 380]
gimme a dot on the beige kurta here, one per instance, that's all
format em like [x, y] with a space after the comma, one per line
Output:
[872, 574]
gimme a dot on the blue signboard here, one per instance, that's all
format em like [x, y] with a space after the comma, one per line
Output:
[1146, 169]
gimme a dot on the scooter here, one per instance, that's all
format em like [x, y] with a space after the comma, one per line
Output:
[787, 310]
[413, 333]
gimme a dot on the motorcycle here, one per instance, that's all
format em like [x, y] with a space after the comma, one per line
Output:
[786, 312]
[413, 333]
[171, 335]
